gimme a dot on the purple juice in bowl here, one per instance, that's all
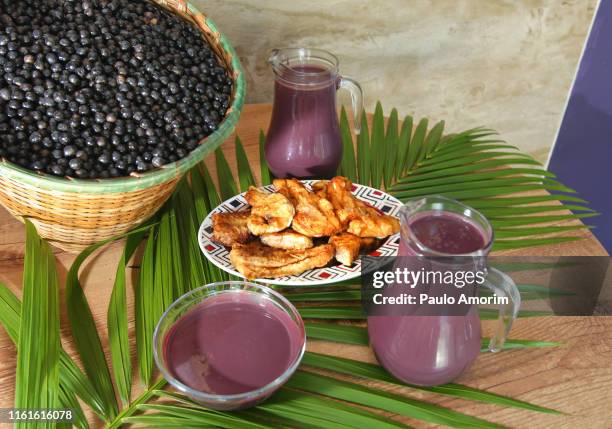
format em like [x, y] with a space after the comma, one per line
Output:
[229, 345]
[423, 345]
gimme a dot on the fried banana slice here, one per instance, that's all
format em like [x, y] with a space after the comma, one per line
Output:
[269, 212]
[320, 188]
[346, 206]
[359, 218]
[287, 239]
[231, 228]
[346, 247]
[314, 216]
[254, 260]
[374, 225]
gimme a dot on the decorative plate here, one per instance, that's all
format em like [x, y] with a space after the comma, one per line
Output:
[333, 273]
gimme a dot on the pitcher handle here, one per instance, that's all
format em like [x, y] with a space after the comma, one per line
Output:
[503, 286]
[353, 87]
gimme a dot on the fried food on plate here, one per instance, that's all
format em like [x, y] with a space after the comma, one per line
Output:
[346, 206]
[374, 225]
[359, 218]
[231, 228]
[269, 212]
[255, 260]
[314, 216]
[276, 236]
[346, 247]
[320, 188]
[287, 239]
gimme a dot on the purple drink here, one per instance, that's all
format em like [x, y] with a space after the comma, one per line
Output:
[232, 343]
[229, 345]
[447, 232]
[303, 138]
[426, 350]
[420, 347]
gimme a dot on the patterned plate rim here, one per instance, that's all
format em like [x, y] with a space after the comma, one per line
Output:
[219, 255]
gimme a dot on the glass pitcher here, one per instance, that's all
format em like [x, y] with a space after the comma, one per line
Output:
[431, 347]
[303, 139]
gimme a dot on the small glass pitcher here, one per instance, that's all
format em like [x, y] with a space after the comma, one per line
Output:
[303, 139]
[430, 347]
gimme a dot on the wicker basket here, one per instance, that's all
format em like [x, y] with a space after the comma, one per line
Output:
[72, 213]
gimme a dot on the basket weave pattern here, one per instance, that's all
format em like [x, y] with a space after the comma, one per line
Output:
[73, 214]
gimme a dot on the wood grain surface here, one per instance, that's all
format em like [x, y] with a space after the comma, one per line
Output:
[575, 378]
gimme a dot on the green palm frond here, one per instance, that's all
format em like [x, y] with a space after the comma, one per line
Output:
[375, 372]
[38, 342]
[472, 166]
[118, 324]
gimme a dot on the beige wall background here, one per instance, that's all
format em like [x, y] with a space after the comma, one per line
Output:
[507, 65]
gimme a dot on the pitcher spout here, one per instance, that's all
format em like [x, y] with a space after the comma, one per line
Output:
[409, 208]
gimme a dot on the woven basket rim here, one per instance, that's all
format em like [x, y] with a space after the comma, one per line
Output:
[153, 177]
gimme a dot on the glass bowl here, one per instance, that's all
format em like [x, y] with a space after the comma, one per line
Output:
[195, 298]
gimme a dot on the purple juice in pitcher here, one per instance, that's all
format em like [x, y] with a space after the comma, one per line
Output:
[303, 139]
[423, 347]
[232, 343]
[447, 232]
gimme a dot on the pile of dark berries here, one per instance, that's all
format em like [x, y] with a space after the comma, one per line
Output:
[104, 88]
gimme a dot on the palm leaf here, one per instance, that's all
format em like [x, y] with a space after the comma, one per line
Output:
[417, 142]
[326, 295]
[434, 137]
[266, 177]
[201, 202]
[356, 312]
[38, 343]
[506, 221]
[227, 184]
[338, 333]
[401, 405]
[206, 191]
[71, 379]
[353, 312]
[348, 166]
[378, 155]
[214, 199]
[358, 335]
[363, 150]
[485, 165]
[68, 400]
[144, 309]
[309, 409]
[179, 253]
[144, 397]
[194, 416]
[376, 372]
[185, 238]
[391, 142]
[485, 172]
[532, 242]
[245, 176]
[85, 335]
[297, 409]
[118, 324]
[403, 144]
[500, 212]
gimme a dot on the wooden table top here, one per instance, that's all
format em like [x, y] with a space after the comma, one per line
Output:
[575, 378]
